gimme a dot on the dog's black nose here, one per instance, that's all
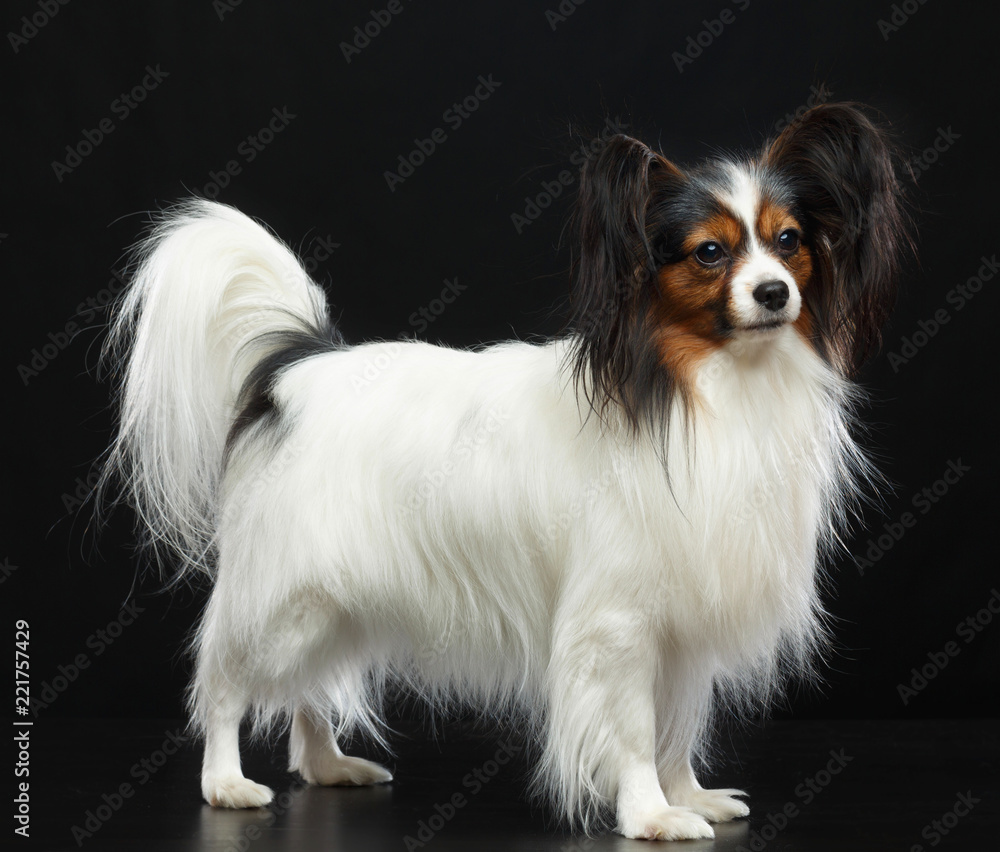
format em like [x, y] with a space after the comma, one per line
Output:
[773, 295]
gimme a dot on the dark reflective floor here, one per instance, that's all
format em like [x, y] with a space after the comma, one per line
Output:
[125, 785]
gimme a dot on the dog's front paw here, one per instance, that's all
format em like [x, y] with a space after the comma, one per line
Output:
[714, 805]
[235, 792]
[665, 824]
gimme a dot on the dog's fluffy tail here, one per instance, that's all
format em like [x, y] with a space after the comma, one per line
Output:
[212, 295]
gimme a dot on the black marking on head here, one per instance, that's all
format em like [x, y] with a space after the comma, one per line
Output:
[694, 199]
[636, 213]
[256, 405]
[634, 216]
[620, 218]
[842, 170]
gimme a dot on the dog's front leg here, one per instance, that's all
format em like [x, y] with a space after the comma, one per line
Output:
[683, 707]
[601, 743]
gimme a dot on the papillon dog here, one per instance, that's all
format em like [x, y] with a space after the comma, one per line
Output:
[614, 533]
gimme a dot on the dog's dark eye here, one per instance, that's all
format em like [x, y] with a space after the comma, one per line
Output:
[788, 240]
[709, 254]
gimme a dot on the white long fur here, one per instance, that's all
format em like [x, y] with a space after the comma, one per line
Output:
[209, 287]
[458, 520]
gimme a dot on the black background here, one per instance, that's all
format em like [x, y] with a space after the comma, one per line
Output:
[322, 178]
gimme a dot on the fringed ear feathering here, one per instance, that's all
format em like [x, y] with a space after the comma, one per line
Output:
[619, 227]
[842, 171]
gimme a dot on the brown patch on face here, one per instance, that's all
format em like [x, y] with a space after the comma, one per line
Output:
[772, 220]
[688, 320]
[805, 324]
[722, 228]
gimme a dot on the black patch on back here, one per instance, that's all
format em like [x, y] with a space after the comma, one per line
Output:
[256, 405]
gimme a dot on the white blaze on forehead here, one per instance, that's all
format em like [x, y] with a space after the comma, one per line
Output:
[743, 199]
[760, 263]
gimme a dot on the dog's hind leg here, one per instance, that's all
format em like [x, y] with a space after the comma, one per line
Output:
[313, 753]
[226, 682]
[221, 706]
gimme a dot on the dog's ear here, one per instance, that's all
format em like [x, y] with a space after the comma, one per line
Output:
[618, 223]
[843, 173]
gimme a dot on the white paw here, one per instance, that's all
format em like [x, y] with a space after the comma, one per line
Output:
[714, 805]
[344, 772]
[666, 824]
[235, 792]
